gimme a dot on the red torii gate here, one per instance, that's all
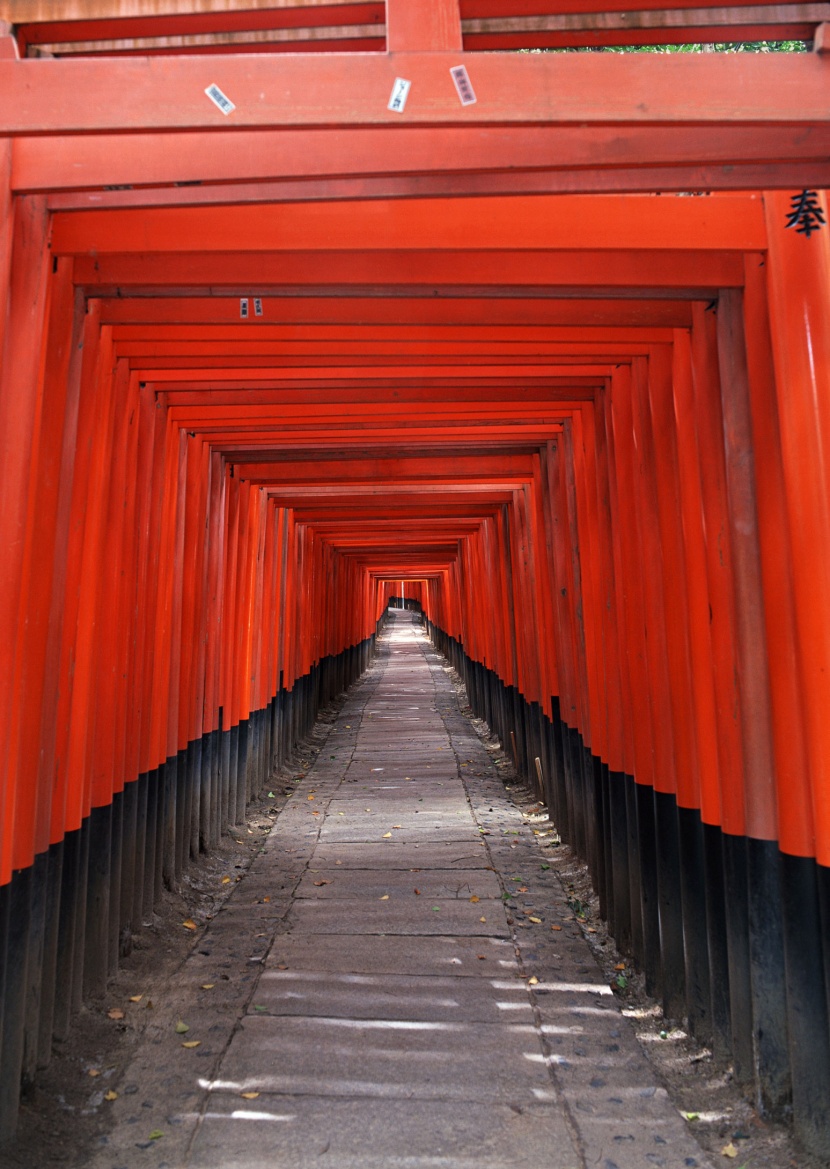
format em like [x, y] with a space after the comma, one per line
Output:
[258, 363]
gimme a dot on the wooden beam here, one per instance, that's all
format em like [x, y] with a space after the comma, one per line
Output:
[585, 89]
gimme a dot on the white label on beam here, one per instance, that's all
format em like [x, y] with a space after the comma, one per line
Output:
[400, 92]
[219, 99]
[463, 85]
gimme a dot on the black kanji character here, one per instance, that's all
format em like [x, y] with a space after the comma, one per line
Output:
[806, 215]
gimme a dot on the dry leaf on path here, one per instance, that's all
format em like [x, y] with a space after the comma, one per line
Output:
[208, 985]
[249, 1095]
[181, 1028]
[115, 1013]
[385, 897]
[386, 835]
[93, 1072]
[535, 920]
[475, 899]
[190, 924]
[110, 1095]
[319, 883]
[729, 1150]
[192, 1043]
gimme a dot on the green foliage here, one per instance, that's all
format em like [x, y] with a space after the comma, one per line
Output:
[717, 47]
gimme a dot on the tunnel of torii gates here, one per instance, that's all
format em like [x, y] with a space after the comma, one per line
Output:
[296, 316]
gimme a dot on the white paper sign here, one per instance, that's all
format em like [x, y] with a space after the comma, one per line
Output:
[463, 85]
[400, 92]
[219, 99]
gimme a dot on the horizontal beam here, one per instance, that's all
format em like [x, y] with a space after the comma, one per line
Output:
[784, 174]
[54, 163]
[330, 317]
[327, 90]
[541, 274]
[478, 226]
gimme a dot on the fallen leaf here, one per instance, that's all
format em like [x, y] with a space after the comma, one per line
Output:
[417, 892]
[409, 777]
[281, 966]
[319, 883]
[110, 1095]
[729, 1150]
[226, 880]
[249, 1095]
[136, 998]
[265, 900]
[156, 1134]
[590, 930]
[482, 919]
[386, 835]
[208, 985]
[535, 920]
[181, 1028]
[93, 1072]
[311, 797]
[190, 924]
[480, 957]
[385, 897]
[620, 966]
[397, 825]
[436, 909]
[691, 1115]
[533, 980]
[315, 813]
[475, 899]
[115, 1013]
[339, 862]
[522, 889]
[149, 1004]
[192, 1043]
[556, 927]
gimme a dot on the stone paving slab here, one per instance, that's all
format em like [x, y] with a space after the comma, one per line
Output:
[395, 854]
[391, 954]
[290, 1132]
[398, 915]
[378, 1058]
[430, 883]
[390, 996]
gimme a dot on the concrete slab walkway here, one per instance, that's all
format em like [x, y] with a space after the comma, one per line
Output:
[363, 1000]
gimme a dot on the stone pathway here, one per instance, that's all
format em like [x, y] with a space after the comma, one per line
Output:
[367, 998]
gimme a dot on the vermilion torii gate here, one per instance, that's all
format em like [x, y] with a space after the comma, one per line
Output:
[552, 357]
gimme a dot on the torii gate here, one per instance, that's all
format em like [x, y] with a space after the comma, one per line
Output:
[302, 298]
